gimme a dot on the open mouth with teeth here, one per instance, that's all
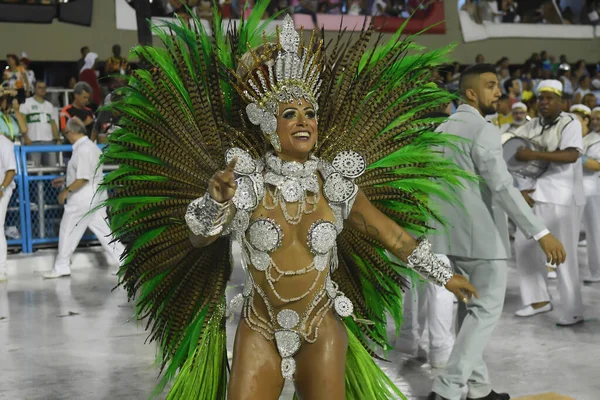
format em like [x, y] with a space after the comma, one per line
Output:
[303, 135]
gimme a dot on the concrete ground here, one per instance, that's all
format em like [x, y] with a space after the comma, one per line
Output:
[74, 338]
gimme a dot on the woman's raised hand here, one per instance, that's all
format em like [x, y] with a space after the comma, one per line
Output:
[222, 185]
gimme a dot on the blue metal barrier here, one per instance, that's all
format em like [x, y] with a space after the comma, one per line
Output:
[40, 199]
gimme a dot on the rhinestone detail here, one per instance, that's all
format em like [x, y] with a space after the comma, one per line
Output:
[288, 342]
[288, 368]
[288, 319]
[343, 306]
[321, 237]
[265, 234]
[338, 189]
[245, 165]
[350, 164]
[260, 260]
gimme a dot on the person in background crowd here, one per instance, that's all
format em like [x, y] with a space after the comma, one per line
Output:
[116, 64]
[583, 89]
[479, 59]
[557, 198]
[504, 115]
[41, 126]
[78, 108]
[580, 69]
[107, 121]
[564, 75]
[16, 77]
[520, 117]
[595, 120]
[591, 188]
[426, 331]
[81, 62]
[589, 100]
[512, 88]
[81, 200]
[89, 75]
[8, 168]
[30, 74]
[12, 122]
[567, 102]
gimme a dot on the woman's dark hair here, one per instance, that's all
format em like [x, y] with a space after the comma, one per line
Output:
[14, 57]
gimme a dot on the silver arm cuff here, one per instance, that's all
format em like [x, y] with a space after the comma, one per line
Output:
[426, 264]
[206, 217]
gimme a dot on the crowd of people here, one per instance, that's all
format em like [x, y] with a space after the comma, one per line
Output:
[533, 11]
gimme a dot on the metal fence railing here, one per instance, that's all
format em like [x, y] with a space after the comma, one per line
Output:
[34, 215]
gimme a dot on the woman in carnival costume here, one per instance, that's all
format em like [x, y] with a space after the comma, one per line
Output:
[312, 165]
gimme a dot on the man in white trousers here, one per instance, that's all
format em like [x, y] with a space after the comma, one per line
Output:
[79, 197]
[8, 168]
[476, 240]
[426, 330]
[558, 199]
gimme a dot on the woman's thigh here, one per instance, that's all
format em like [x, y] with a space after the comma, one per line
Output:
[320, 366]
[256, 367]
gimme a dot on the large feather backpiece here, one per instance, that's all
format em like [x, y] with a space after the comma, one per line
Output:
[182, 114]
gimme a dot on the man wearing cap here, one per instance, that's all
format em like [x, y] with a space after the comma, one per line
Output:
[520, 117]
[558, 199]
[477, 243]
[591, 188]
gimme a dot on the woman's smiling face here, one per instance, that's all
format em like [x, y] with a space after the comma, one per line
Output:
[297, 130]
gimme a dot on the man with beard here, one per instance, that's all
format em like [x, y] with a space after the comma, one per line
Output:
[477, 243]
[558, 199]
[520, 117]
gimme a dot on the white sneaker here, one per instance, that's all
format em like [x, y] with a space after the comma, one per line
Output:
[568, 321]
[3, 277]
[54, 274]
[592, 279]
[552, 275]
[530, 311]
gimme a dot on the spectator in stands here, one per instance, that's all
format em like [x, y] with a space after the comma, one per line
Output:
[41, 126]
[83, 209]
[17, 77]
[78, 108]
[580, 69]
[504, 115]
[567, 102]
[379, 8]
[509, 11]
[116, 64]
[564, 75]
[589, 100]
[107, 121]
[12, 122]
[81, 62]
[30, 74]
[590, 12]
[479, 59]
[89, 75]
[502, 63]
[512, 88]
[8, 168]
[583, 89]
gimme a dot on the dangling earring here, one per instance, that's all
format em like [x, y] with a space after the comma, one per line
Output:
[316, 147]
[275, 142]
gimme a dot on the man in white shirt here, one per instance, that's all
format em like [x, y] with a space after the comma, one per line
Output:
[558, 199]
[41, 127]
[8, 167]
[81, 197]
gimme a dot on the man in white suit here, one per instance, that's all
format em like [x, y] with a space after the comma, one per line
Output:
[477, 241]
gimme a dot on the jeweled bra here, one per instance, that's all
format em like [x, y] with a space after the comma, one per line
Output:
[291, 182]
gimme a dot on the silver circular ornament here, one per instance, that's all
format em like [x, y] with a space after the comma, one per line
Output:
[350, 164]
[288, 319]
[245, 164]
[292, 191]
[339, 189]
[343, 306]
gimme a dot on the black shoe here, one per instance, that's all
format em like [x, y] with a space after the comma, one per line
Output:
[435, 396]
[493, 396]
